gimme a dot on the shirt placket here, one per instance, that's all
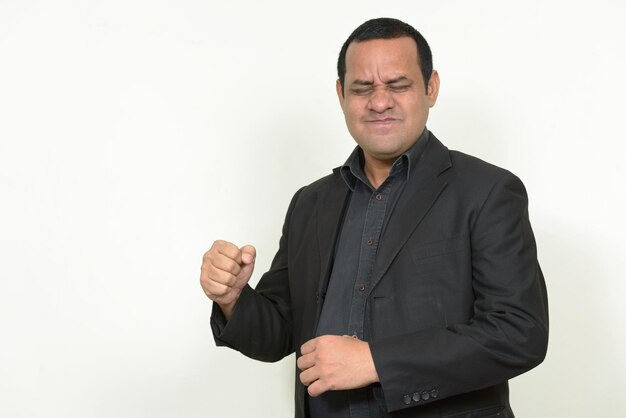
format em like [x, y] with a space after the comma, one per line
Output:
[374, 218]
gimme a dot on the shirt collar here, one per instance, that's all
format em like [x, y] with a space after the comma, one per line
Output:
[352, 170]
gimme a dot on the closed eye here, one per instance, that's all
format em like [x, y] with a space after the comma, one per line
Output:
[399, 87]
[361, 90]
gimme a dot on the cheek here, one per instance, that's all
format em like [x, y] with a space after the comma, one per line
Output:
[352, 113]
[418, 111]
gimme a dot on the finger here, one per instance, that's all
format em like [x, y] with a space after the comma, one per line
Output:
[215, 256]
[305, 362]
[248, 254]
[318, 387]
[309, 376]
[214, 289]
[228, 249]
[214, 279]
[245, 274]
[309, 346]
[212, 274]
[222, 262]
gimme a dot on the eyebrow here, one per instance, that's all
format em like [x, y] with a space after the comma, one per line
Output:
[362, 83]
[397, 80]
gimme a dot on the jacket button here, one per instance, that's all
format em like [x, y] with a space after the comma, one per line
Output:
[434, 393]
[425, 395]
[416, 397]
[406, 400]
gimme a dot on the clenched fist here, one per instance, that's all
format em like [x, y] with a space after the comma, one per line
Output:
[225, 271]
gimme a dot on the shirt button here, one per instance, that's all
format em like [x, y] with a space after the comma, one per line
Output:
[361, 287]
[379, 197]
[370, 241]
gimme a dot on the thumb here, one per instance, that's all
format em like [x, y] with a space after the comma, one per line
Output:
[248, 254]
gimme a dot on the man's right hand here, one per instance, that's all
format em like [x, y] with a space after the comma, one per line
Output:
[225, 271]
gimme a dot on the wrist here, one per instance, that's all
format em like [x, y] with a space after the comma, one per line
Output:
[227, 309]
[373, 377]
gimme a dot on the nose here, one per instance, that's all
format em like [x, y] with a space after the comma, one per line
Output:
[381, 100]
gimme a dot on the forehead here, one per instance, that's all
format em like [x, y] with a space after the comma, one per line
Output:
[382, 56]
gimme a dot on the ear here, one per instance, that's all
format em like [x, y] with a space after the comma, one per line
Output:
[339, 93]
[433, 88]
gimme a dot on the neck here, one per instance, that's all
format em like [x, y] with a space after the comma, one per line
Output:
[377, 171]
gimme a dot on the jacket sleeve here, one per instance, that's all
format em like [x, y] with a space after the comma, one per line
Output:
[261, 326]
[508, 331]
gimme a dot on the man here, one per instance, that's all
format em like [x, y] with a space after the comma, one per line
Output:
[407, 281]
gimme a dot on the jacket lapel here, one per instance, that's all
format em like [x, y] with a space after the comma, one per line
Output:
[331, 205]
[422, 190]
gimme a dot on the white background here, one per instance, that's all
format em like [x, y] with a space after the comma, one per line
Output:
[134, 133]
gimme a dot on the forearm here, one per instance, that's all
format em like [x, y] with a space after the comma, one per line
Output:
[258, 327]
[458, 359]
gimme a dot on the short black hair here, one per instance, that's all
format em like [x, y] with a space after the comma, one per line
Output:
[387, 28]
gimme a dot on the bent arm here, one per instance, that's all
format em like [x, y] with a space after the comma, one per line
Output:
[261, 323]
[508, 331]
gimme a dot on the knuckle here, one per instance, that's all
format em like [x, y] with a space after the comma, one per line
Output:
[232, 266]
[226, 279]
[210, 272]
[219, 291]
[229, 282]
[208, 257]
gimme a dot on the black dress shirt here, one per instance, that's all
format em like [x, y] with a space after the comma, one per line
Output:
[345, 301]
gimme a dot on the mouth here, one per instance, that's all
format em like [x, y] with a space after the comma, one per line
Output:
[382, 121]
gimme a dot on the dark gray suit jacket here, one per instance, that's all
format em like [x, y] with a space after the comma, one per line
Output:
[458, 302]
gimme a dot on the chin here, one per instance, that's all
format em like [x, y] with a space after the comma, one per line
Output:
[385, 155]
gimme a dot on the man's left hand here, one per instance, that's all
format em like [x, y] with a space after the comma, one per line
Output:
[333, 362]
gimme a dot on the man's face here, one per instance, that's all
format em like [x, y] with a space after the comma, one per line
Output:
[384, 101]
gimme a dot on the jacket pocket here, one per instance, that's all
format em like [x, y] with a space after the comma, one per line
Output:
[441, 255]
[492, 412]
[426, 251]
